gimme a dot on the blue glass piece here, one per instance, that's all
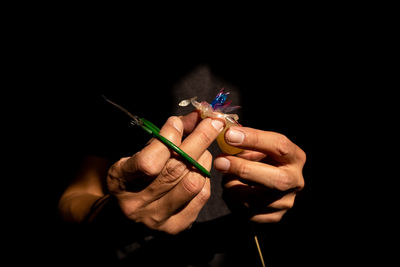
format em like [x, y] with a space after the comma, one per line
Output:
[219, 100]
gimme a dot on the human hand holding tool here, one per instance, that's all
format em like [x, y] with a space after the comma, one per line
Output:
[159, 188]
[155, 131]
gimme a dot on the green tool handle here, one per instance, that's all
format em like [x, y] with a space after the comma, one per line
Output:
[155, 131]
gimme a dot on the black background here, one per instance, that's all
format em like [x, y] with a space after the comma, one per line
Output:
[304, 83]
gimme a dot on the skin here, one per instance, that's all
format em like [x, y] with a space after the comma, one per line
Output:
[156, 188]
[264, 179]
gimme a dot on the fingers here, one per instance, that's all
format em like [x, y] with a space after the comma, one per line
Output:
[183, 219]
[259, 198]
[264, 191]
[174, 210]
[173, 195]
[276, 145]
[279, 178]
[272, 212]
[151, 159]
[272, 217]
[251, 155]
[260, 204]
[195, 145]
[177, 195]
[137, 171]
[202, 137]
[191, 184]
[155, 160]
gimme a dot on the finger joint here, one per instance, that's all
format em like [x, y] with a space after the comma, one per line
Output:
[284, 181]
[173, 170]
[284, 146]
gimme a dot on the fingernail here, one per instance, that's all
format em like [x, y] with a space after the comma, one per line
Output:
[234, 136]
[222, 164]
[177, 124]
[217, 124]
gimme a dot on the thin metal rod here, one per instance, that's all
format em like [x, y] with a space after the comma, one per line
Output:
[135, 119]
[259, 251]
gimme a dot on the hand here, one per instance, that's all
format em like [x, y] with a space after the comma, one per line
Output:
[263, 179]
[156, 187]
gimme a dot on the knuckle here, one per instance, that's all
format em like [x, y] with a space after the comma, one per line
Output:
[147, 165]
[113, 170]
[115, 179]
[193, 183]
[153, 219]
[243, 170]
[283, 145]
[127, 209]
[204, 195]
[301, 155]
[284, 181]
[153, 222]
[131, 209]
[173, 170]
[205, 138]
[156, 219]
[301, 183]
[175, 228]
[116, 169]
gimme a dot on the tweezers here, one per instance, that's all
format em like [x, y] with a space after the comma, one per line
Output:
[155, 131]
